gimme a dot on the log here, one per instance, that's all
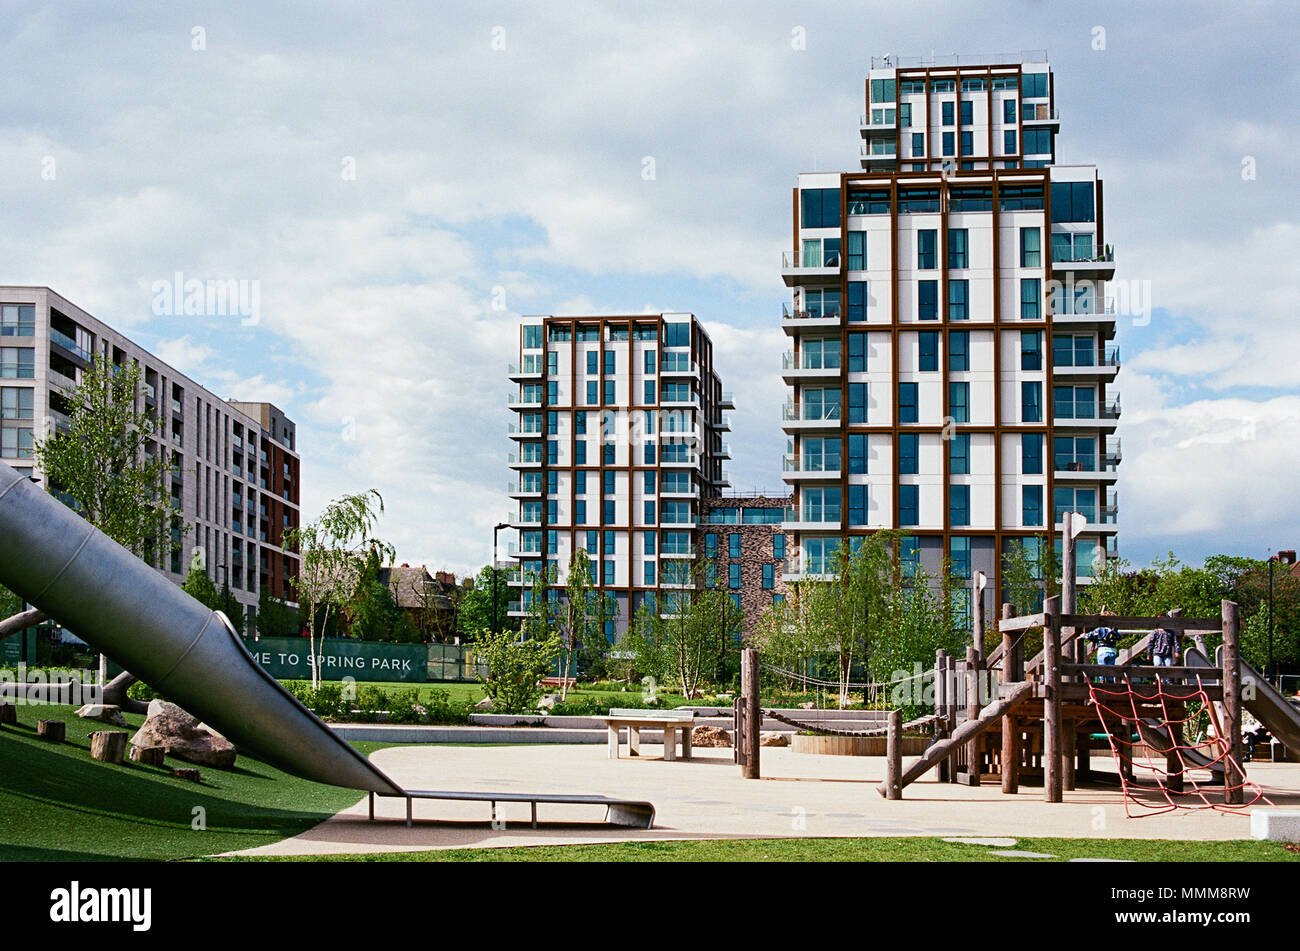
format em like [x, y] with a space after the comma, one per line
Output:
[56, 731]
[1053, 748]
[187, 773]
[115, 692]
[148, 755]
[973, 707]
[22, 621]
[963, 734]
[752, 716]
[941, 688]
[1010, 726]
[1233, 775]
[894, 756]
[8, 714]
[108, 746]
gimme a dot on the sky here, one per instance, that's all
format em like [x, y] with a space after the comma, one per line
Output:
[400, 182]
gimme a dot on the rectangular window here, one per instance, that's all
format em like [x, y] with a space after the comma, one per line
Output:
[580, 452]
[857, 403]
[959, 454]
[1009, 141]
[904, 115]
[1031, 505]
[857, 251]
[857, 302]
[959, 402]
[649, 392]
[580, 423]
[611, 362]
[820, 207]
[592, 367]
[949, 144]
[907, 405]
[957, 244]
[769, 576]
[1009, 111]
[552, 452]
[608, 576]
[959, 505]
[1031, 240]
[1038, 142]
[857, 353]
[928, 350]
[948, 110]
[918, 144]
[649, 512]
[649, 573]
[710, 546]
[1071, 201]
[593, 396]
[733, 545]
[1031, 350]
[926, 241]
[16, 403]
[1031, 296]
[967, 112]
[608, 454]
[1031, 402]
[580, 512]
[1020, 198]
[533, 337]
[733, 576]
[959, 300]
[927, 300]
[908, 505]
[908, 453]
[959, 350]
[778, 547]
[857, 453]
[649, 454]
[19, 363]
[968, 143]
[609, 512]
[883, 90]
[1031, 453]
[648, 543]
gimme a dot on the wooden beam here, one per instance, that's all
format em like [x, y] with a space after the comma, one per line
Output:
[1233, 775]
[1053, 748]
[1125, 622]
[753, 717]
[894, 756]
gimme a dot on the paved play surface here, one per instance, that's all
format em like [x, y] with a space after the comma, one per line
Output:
[705, 798]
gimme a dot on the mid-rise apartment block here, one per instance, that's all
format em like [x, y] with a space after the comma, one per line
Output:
[234, 466]
[951, 369]
[618, 438]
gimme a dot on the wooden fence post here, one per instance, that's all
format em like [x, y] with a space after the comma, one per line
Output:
[972, 713]
[1053, 748]
[738, 730]
[894, 756]
[1010, 724]
[1233, 775]
[941, 703]
[752, 716]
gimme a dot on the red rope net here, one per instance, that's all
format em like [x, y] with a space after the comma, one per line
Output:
[1153, 794]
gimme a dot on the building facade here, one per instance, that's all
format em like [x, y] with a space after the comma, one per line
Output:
[618, 438]
[235, 467]
[742, 542]
[951, 368]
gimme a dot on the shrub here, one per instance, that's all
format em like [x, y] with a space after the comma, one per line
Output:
[440, 708]
[141, 691]
[370, 700]
[404, 707]
[515, 668]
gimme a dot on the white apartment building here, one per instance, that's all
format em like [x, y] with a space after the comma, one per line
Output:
[951, 366]
[618, 437]
[235, 467]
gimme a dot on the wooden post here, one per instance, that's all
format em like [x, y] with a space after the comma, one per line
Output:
[941, 702]
[738, 731]
[1233, 775]
[977, 615]
[972, 713]
[150, 755]
[752, 717]
[1068, 577]
[894, 756]
[194, 776]
[53, 730]
[1053, 748]
[108, 746]
[8, 714]
[1069, 734]
[1010, 725]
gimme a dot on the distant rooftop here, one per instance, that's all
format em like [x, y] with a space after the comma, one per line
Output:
[893, 61]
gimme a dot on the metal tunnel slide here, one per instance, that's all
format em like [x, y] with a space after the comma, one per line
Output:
[1267, 704]
[58, 562]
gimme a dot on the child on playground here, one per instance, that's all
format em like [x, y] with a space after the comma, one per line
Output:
[1106, 640]
[1165, 647]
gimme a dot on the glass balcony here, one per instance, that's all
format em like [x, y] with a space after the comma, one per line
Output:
[811, 412]
[812, 462]
[68, 343]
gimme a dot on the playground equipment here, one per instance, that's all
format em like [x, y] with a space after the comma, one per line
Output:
[58, 562]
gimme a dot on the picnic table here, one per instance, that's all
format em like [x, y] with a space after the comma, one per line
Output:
[674, 723]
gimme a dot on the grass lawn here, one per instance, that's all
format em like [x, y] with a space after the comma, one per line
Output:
[912, 849]
[57, 804]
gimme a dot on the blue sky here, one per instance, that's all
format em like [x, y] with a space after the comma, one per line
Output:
[498, 150]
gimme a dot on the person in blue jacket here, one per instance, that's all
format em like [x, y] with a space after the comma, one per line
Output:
[1106, 640]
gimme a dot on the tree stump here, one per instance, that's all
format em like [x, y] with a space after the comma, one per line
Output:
[8, 714]
[56, 731]
[148, 755]
[108, 746]
[184, 773]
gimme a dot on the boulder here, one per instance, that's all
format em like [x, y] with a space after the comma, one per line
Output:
[549, 701]
[103, 712]
[179, 734]
[484, 705]
[774, 739]
[807, 705]
[710, 736]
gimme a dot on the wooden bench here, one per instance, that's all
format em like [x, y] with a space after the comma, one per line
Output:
[618, 812]
[672, 722]
[565, 682]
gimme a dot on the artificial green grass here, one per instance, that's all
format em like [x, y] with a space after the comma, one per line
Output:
[58, 804]
[900, 849]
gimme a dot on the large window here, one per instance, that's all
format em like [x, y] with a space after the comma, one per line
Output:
[1031, 402]
[16, 402]
[16, 443]
[926, 242]
[909, 505]
[17, 320]
[908, 453]
[1074, 402]
[928, 350]
[927, 300]
[1074, 350]
[1033, 85]
[857, 251]
[533, 337]
[823, 403]
[959, 505]
[1031, 298]
[907, 404]
[1083, 501]
[873, 202]
[1037, 142]
[820, 455]
[883, 90]
[959, 350]
[1031, 246]
[1031, 350]
[959, 454]
[820, 504]
[820, 207]
[1031, 453]
[918, 200]
[957, 248]
[1072, 201]
[19, 363]
[819, 354]
[1031, 505]
[959, 402]
[1021, 198]
[959, 300]
[821, 252]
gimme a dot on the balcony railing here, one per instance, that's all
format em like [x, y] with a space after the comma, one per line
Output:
[531, 488]
[794, 260]
[676, 363]
[805, 462]
[787, 313]
[1083, 255]
[806, 413]
[68, 343]
[532, 364]
[1110, 409]
[808, 361]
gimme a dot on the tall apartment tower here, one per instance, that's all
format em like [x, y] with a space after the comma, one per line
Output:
[618, 438]
[234, 472]
[951, 370]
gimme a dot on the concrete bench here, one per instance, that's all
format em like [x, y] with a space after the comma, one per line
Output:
[674, 723]
[618, 812]
[1275, 825]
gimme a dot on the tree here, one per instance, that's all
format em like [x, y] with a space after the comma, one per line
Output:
[199, 586]
[583, 614]
[476, 608]
[371, 612]
[515, 667]
[274, 617]
[332, 552]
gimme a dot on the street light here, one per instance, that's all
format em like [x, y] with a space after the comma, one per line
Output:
[495, 529]
[1286, 558]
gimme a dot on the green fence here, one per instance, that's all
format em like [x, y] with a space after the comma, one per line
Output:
[289, 658]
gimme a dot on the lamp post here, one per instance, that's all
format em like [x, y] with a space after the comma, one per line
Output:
[495, 530]
[1272, 674]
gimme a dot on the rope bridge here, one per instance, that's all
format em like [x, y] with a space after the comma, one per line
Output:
[827, 731]
[1117, 700]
